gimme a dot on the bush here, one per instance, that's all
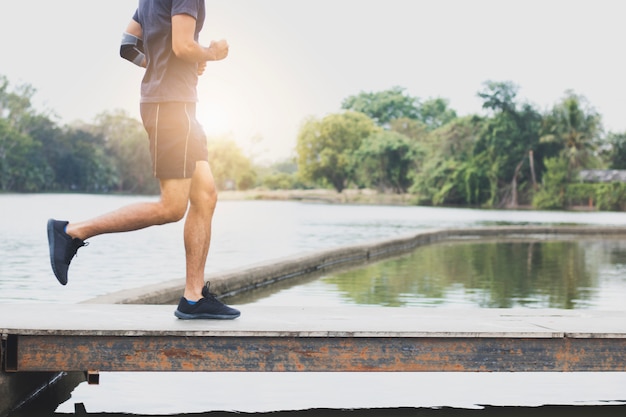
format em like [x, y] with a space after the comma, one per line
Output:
[604, 196]
[280, 181]
[611, 196]
[551, 196]
[581, 194]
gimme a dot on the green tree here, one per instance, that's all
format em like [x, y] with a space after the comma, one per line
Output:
[231, 168]
[611, 196]
[411, 128]
[509, 136]
[22, 167]
[552, 194]
[615, 153]
[81, 162]
[435, 112]
[280, 175]
[383, 106]
[325, 147]
[450, 172]
[126, 142]
[8, 141]
[386, 160]
[575, 127]
[16, 105]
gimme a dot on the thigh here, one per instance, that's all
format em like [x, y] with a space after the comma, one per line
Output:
[175, 194]
[177, 141]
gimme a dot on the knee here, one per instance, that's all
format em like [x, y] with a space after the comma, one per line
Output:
[171, 213]
[206, 197]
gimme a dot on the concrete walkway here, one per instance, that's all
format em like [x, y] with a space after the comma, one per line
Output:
[159, 320]
[97, 338]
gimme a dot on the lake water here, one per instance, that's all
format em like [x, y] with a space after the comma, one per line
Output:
[247, 232]
[522, 272]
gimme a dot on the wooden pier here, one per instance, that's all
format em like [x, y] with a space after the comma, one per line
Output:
[109, 338]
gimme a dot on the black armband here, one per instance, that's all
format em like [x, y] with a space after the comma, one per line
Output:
[131, 49]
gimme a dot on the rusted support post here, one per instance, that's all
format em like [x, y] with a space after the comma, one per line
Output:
[92, 377]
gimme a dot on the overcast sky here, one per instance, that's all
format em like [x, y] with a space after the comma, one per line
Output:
[291, 59]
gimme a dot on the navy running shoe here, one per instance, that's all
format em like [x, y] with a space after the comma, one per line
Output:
[63, 248]
[208, 307]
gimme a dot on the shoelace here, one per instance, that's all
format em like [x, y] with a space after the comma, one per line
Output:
[206, 293]
[76, 244]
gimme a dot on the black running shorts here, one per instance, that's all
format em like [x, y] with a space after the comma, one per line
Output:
[177, 140]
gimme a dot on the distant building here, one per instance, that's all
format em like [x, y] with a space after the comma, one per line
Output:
[602, 175]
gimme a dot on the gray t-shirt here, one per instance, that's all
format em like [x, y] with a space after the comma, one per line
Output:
[167, 77]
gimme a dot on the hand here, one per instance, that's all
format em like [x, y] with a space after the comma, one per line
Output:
[220, 49]
[201, 68]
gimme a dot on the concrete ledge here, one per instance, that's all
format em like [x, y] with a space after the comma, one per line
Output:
[266, 273]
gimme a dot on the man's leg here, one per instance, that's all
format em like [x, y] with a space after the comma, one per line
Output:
[197, 302]
[170, 208]
[202, 199]
[64, 238]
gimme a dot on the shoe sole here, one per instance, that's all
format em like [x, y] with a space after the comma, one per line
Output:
[205, 316]
[51, 247]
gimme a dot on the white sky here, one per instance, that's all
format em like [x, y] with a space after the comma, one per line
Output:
[291, 59]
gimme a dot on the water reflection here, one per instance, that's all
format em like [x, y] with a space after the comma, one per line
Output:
[565, 273]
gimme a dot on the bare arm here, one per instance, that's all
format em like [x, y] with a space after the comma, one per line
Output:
[134, 28]
[185, 47]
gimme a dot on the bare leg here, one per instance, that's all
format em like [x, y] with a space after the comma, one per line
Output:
[203, 199]
[176, 195]
[170, 208]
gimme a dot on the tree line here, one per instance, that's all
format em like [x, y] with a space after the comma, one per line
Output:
[108, 155]
[512, 155]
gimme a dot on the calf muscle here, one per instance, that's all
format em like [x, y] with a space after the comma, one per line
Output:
[171, 207]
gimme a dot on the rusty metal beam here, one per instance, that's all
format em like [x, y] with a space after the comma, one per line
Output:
[319, 354]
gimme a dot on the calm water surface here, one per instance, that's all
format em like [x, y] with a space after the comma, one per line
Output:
[562, 272]
[525, 273]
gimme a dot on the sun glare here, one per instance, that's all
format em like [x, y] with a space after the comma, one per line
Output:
[214, 118]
